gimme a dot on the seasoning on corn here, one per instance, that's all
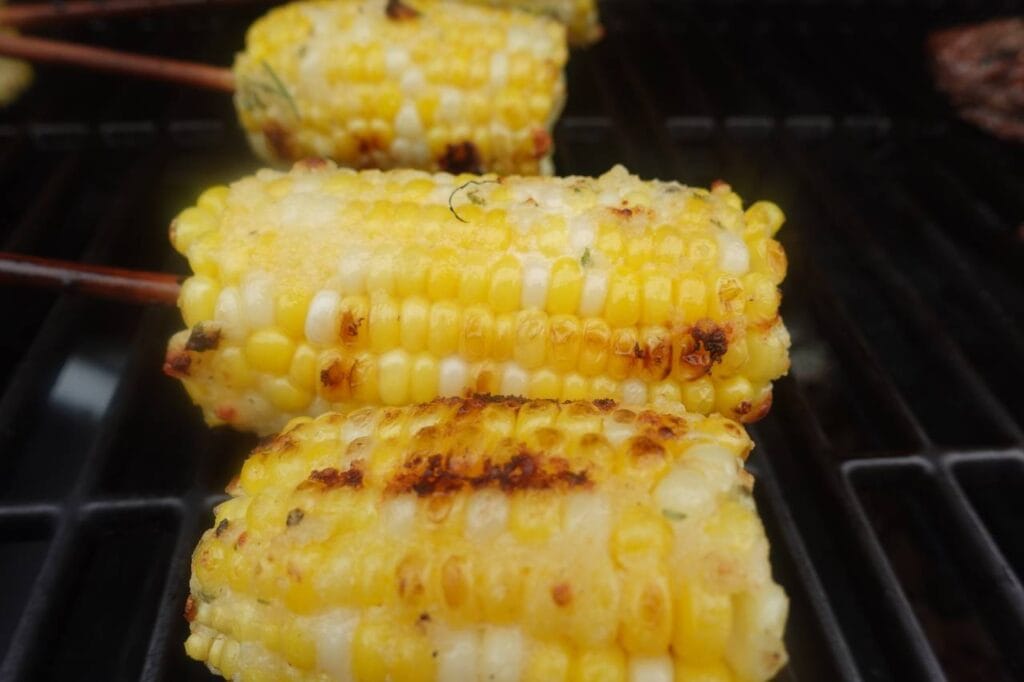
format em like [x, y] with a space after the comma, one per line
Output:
[491, 539]
[416, 84]
[328, 289]
[579, 16]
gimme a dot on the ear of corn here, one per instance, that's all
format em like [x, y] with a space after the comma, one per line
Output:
[491, 539]
[15, 76]
[415, 84]
[326, 289]
[579, 16]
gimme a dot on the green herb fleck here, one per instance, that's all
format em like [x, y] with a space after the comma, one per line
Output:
[281, 89]
[673, 515]
[473, 195]
[263, 601]
[585, 259]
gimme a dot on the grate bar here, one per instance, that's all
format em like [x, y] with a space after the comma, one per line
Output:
[903, 292]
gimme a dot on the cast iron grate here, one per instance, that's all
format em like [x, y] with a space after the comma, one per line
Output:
[891, 469]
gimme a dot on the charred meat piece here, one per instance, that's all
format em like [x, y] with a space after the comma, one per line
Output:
[981, 68]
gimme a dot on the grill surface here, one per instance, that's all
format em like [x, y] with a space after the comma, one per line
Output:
[891, 470]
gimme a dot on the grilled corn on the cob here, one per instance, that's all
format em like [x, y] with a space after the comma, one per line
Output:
[328, 289]
[15, 76]
[491, 539]
[580, 16]
[419, 84]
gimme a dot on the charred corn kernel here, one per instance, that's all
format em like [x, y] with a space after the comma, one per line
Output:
[270, 350]
[361, 264]
[373, 84]
[344, 553]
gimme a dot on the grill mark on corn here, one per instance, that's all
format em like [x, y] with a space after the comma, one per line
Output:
[177, 363]
[330, 477]
[204, 337]
[278, 139]
[561, 594]
[462, 157]
[190, 609]
[295, 517]
[442, 474]
[708, 344]
[350, 325]
[221, 528]
[397, 10]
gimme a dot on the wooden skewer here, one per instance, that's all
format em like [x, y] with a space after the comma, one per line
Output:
[53, 12]
[135, 286]
[159, 68]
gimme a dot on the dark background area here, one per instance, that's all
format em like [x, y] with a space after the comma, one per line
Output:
[891, 475]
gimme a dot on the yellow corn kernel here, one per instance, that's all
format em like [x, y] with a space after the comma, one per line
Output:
[504, 341]
[666, 393]
[564, 341]
[214, 199]
[192, 224]
[423, 378]
[505, 291]
[595, 346]
[640, 535]
[565, 286]
[385, 328]
[284, 395]
[297, 645]
[734, 396]
[547, 662]
[443, 280]
[233, 368]
[364, 380]
[699, 395]
[625, 353]
[574, 387]
[394, 371]
[657, 299]
[270, 350]
[290, 313]
[622, 306]
[599, 665]
[725, 297]
[702, 253]
[692, 298]
[198, 300]
[413, 323]
[534, 517]
[443, 334]
[499, 588]
[768, 354]
[388, 651]
[646, 610]
[604, 387]
[473, 283]
[768, 257]
[764, 217]
[544, 383]
[531, 338]
[762, 298]
[702, 623]
[411, 273]
[477, 334]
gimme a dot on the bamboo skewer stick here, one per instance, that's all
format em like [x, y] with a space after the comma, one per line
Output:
[159, 68]
[134, 286]
[34, 14]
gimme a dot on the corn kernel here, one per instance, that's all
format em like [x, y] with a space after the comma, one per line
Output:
[623, 305]
[385, 328]
[284, 395]
[531, 338]
[290, 312]
[413, 321]
[198, 300]
[565, 286]
[600, 665]
[443, 329]
[394, 370]
[505, 285]
[270, 350]
[547, 662]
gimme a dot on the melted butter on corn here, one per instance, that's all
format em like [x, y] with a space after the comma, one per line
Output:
[436, 85]
[496, 539]
[331, 289]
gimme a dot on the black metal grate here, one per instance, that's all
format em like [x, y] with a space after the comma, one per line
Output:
[891, 469]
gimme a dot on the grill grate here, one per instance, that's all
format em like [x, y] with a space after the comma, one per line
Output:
[891, 470]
